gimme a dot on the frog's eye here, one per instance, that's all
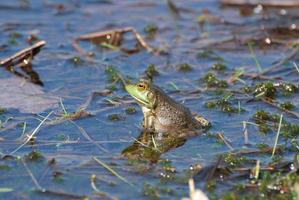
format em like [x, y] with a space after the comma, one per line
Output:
[141, 86]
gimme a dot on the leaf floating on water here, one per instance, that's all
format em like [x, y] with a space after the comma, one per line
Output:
[25, 96]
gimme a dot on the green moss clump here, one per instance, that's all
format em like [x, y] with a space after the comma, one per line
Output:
[265, 89]
[13, 38]
[289, 130]
[211, 186]
[34, 155]
[247, 89]
[211, 81]
[151, 28]
[219, 67]
[261, 115]
[2, 111]
[116, 117]
[209, 54]
[150, 191]
[210, 104]
[130, 110]
[287, 106]
[224, 105]
[76, 60]
[288, 89]
[232, 161]
[228, 196]
[263, 119]
[183, 67]
[260, 118]
[112, 73]
[151, 71]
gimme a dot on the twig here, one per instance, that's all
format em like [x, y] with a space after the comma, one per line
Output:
[111, 36]
[112, 171]
[282, 61]
[253, 151]
[280, 108]
[257, 63]
[245, 133]
[32, 176]
[20, 56]
[85, 134]
[222, 137]
[257, 169]
[296, 67]
[33, 133]
[277, 135]
[93, 179]
[62, 194]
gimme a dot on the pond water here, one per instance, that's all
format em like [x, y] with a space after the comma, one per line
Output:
[61, 159]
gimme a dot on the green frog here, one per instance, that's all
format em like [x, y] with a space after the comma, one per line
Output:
[161, 113]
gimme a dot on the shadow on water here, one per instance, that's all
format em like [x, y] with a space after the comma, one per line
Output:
[149, 146]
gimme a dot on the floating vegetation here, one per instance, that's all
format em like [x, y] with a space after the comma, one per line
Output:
[224, 104]
[209, 54]
[271, 90]
[150, 191]
[116, 117]
[266, 89]
[34, 155]
[287, 106]
[211, 81]
[183, 67]
[2, 111]
[112, 73]
[13, 37]
[130, 110]
[151, 71]
[268, 122]
[219, 67]
[76, 60]
[151, 28]
[233, 161]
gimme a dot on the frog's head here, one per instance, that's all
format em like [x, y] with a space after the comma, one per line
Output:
[143, 93]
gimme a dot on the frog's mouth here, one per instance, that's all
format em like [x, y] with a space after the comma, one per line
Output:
[140, 96]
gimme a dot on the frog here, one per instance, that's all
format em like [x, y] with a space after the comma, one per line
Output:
[162, 114]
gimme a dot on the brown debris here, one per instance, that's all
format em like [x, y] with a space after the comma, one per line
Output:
[23, 55]
[113, 37]
[23, 60]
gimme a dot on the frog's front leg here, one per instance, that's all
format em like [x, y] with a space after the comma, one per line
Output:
[148, 121]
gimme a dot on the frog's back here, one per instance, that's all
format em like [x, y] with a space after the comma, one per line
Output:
[171, 114]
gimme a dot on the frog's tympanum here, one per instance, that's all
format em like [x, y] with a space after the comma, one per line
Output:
[167, 124]
[161, 113]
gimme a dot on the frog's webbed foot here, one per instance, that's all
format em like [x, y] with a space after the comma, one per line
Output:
[204, 123]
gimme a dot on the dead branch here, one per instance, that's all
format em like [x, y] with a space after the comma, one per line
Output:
[292, 54]
[23, 55]
[111, 37]
[271, 103]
